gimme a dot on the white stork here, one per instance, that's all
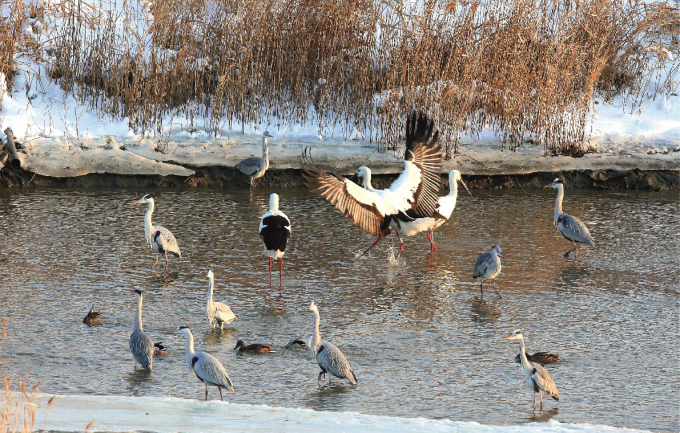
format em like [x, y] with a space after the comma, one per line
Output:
[275, 232]
[441, 214]
[379, 211]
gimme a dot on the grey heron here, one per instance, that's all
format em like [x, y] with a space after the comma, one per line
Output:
[569, 226]
[92, 318]
[159, 239]
[141, 346]
[536, 376]
[330, 358]
[241, 347]
[255, 167]
[217, 312]
[275, 232]
[487, 267]
[296, 344]
[379, 211]
[442, 212]
[540, 357]
[206, 367]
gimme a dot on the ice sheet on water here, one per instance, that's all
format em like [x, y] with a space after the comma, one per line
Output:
[117, 413]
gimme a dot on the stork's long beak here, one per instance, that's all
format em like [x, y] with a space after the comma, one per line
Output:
[137, 202]
[466, 188]
[354, 178]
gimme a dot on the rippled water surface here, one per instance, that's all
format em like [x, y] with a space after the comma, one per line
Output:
[419, 339]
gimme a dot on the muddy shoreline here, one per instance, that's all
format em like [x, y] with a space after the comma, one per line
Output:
[220, 176]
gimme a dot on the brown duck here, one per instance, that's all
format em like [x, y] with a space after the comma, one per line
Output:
[252, 348]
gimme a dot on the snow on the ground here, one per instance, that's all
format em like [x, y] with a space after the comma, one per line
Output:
[117, 413]
[63, 138]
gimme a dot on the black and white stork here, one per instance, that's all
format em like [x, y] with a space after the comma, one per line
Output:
[379, 211]
[275, 232]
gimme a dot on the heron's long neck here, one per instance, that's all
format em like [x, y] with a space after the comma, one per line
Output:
[148, 226]
[138, 316]
[558, 202]
[316, 338]
[210, 292]
[265, 149]
[523, 354]
[190, 348]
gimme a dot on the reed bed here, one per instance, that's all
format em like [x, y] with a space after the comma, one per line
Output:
[527, 69]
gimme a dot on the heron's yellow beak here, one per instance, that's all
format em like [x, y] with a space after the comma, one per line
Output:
[508, 337]
[137, 202]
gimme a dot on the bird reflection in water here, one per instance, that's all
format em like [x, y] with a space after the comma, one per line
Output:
[485, 312]
[137, 380]
[543, 416]
[328, 396]
[218, 336]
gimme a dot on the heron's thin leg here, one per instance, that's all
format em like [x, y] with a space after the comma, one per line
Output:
[430, 237]
[481, 289]
[534, 400]
[156, 262]
[540, 394]
[251, 183]
[167, 262]
[270, 272]
[221, 397]
[575, 250]
[320, 373]
[206, 392]
[374, 244]
[281, 273]
[494, 289]
[221, 326]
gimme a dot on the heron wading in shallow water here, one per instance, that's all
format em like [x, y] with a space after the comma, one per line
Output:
[159, 239]
[255, 167]
[217, 312]
[275, 232]
[330, 358]
[206, 367]
[379, 211]
[487, 267]
[569, 226]
[536, 376]
[141, 346]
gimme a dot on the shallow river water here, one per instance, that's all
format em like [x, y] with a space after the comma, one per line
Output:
[419, 339]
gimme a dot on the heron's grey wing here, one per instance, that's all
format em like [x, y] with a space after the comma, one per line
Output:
[211, 371]
[482, 264]
[249, 166]
[141, 347]
[543, 380]
[224, 313]
[167, 241]
[331, 359]
[573, 229]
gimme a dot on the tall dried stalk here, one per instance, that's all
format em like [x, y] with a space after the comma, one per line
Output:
[527, 69]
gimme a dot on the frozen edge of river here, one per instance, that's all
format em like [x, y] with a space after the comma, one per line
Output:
[118, 413]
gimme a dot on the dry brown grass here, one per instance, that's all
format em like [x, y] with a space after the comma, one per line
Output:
[528, 69]
[17, 413]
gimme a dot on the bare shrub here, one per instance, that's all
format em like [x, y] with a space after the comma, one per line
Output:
[529, 70]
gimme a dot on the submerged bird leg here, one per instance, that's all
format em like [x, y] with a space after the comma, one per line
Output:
[481, 289]
[374, 244]
[206, 392]
[167, 262]
[251, 183]
[401, 244]
[575, 250]
[534, 400]
[540, 394]
[321, 373]
[221, 397]
[494, 289]
[433, 247]
[281, 273]
[270, 272]
[156, 262]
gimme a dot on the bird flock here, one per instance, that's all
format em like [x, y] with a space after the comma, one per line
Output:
[409, 206]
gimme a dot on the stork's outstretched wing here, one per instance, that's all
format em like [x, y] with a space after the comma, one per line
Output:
[362, 207]
[421, 178]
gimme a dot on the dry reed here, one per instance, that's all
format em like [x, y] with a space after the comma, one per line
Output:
[527, 69]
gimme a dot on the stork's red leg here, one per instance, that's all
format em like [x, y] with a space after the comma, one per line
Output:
[401, 244]
[281, 273]
[374, 244]
[270, 272]
[433, 247]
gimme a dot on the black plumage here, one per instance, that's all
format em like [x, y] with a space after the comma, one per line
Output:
[275, 233]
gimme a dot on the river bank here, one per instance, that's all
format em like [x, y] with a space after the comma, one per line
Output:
[202, 163]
